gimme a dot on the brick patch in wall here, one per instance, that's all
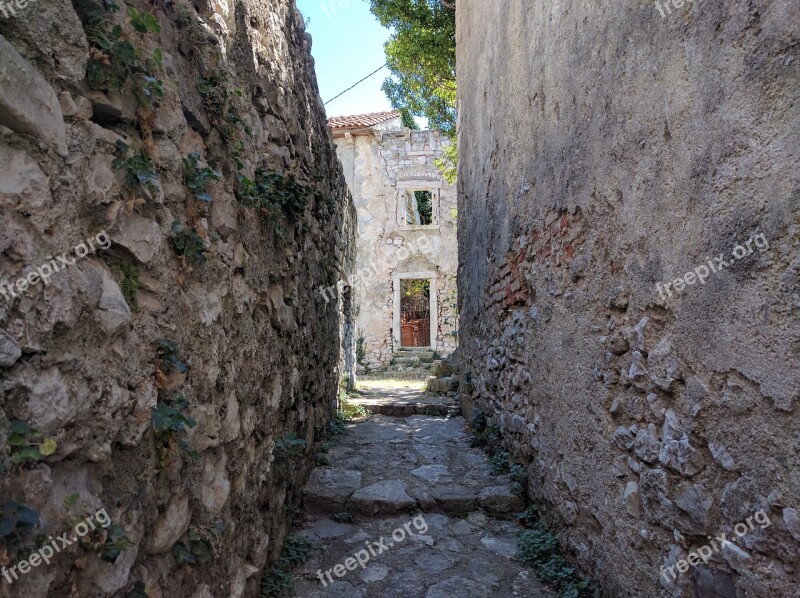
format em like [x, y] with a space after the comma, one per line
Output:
[553, 244]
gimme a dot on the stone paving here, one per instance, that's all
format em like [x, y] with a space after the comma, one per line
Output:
[387, 399]
[420, 508]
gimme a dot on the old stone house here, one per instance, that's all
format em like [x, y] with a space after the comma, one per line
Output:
[404, 283]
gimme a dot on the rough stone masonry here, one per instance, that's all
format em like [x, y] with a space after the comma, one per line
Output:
[603, 150]
[182, 378]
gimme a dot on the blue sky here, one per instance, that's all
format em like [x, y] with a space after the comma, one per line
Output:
[348, 45]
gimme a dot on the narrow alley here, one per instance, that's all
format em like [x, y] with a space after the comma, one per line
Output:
[440, 523]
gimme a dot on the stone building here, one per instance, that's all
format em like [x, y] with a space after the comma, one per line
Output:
[406, 249]
[605, 150]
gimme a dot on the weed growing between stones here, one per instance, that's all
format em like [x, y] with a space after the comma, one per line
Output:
[130, 285]
[224, 105]
[118, 62]
[27, 445]
[194, 35]
[277, 581]
[139, 170]
[188, 243]
[538, 547]
[499, 462]
[198, 546]
[484, 435]
[343, 517]
[336, 427]
[279, 198]
[197, 177]
[360, 351]
[171, 423]
[169, 358]
[353, 411]
[289, 446]
[17, 520]
[107, 544]
[519, 480]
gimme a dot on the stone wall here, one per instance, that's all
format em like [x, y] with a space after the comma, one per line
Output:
[206, 290]
[379, 164]
[605, 149]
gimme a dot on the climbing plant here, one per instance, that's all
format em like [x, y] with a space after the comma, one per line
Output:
[27, 444]
[171, 422]
[199, 546]
[118, 61]
[17, 522]
[278, 197]
[196, 177]
[107, 543]
[224, 105]
[138, 168]
[188, 243]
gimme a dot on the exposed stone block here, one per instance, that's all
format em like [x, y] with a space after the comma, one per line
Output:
[28, 104]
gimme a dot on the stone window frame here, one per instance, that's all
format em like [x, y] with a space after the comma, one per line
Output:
[434, 185]
[430, 275]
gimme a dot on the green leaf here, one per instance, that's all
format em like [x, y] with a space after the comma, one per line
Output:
[19, 427]
[183, 554]
[110, 553]
[143, 22]
[7, 524]
[151, 22]
[71, 499]
[29, 453]
[17, 439]
[26, 515]
[162, 417]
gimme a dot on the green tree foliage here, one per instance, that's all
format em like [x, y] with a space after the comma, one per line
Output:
[421, 54]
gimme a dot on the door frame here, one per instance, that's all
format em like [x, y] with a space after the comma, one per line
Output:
[431, 277]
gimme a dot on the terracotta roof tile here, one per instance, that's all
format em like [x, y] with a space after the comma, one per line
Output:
[361, 120]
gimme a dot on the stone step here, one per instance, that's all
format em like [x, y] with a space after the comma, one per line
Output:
[405, 361]
[330, 491]
[442, 385]
[420, 354]
[399, 374]
[406, 408]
